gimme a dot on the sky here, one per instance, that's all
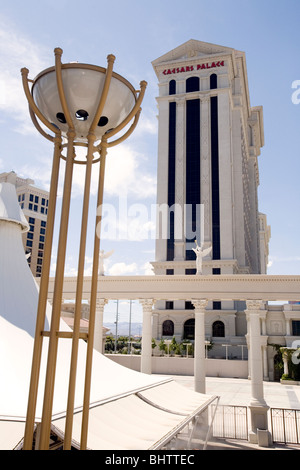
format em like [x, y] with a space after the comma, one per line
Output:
[138, 32]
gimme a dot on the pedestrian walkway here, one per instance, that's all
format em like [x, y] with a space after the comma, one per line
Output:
[238, 391]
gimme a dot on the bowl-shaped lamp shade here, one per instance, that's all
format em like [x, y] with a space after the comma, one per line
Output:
[83, 85]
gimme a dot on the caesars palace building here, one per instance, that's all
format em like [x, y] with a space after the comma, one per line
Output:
[209, 141]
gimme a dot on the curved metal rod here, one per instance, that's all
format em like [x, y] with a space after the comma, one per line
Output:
[39, 128]
[110, 63]
[33, 106]
[128, 133]
[58, 70]
[134, 110]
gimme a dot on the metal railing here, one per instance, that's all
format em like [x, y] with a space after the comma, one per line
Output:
[231, 422]
[285, 425]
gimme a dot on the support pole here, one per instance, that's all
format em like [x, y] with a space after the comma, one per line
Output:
[93, 299]
[258, 406]
[42, 303]
[199, 355]
[57, 299]
[146, 359]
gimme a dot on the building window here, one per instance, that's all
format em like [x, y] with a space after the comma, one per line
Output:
[171, 178]
[35, 208]
[29, 243]
[31, 220]
[296, 327]
[215, 190]
[172, 87]
[169, 304]
[170, 272]
[216, 271]
[30, 235]
[193, 189]
[217, 305]
[213, 81]
[190, 271]
[168, 328]
[189, 329]
[192, 84]
[189, 305]
[43, 201]
[218, 329]
[31, 197]
[42, 238]
[42, 231]
[43, 223]
[30, 206]
[41, 246]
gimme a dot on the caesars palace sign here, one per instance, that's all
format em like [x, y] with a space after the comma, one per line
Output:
[190, 68]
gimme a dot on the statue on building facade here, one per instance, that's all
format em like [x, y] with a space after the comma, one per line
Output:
[103, 256]
[200, 254]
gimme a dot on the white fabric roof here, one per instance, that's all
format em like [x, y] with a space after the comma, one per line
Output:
[133, 423]
[18, 305]
[9, 207]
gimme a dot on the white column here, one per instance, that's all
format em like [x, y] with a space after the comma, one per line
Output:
[265, 362]
[199, 354]
[162, 174]
[146, 359]
[258, 406]
[225, 169]
[98, 334]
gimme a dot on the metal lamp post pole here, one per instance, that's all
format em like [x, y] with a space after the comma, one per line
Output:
[55, 334]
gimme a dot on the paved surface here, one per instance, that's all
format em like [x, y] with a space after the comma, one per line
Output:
[238, 392]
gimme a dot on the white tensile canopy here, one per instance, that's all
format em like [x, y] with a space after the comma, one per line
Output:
[129, 410]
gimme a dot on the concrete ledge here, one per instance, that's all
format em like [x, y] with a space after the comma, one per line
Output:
[289, 382]
[185, 366]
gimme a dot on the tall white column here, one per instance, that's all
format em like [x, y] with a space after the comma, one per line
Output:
[258, 406]
[199, 349]
[98, 334]
[146, 359]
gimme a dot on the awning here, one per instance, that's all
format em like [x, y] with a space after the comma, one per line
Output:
[141, 421]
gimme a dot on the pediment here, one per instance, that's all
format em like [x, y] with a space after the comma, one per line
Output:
[191, 49]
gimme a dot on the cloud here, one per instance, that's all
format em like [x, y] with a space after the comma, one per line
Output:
[17, 51]
[123, 269]
[124, 174]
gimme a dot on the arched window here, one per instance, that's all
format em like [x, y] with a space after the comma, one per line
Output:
[172, 87]
[168, 328]
[189, 329]
[218, 329]
[213, 81]
[192, 84]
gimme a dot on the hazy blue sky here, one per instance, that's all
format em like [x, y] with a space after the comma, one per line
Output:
[137, 32]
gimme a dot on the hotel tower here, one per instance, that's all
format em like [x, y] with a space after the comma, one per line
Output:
[209, 141]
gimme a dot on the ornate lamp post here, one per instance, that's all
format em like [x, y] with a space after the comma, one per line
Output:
[83, 106]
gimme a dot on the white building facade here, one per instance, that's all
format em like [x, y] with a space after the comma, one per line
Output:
[210, 138]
